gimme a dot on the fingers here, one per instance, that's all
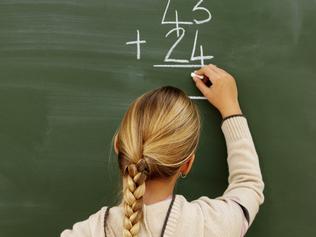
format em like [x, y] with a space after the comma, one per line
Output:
[221, 71]
[223, 93]
[211, 71]
[206, 91]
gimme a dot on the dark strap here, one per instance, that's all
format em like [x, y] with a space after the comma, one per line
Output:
[164, 224]
[167, 216]
[231, 116]
[105, 218]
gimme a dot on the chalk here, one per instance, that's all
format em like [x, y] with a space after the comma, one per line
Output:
[197, 98]
[196, 75]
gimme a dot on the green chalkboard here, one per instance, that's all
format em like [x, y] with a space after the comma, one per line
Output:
[68, 73]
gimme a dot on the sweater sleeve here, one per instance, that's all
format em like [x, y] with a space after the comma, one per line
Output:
[245, 179]
[235, 210]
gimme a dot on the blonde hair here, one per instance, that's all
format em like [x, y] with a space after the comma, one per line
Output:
[158, 133]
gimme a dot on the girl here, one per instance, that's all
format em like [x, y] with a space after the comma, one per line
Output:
[156, 144]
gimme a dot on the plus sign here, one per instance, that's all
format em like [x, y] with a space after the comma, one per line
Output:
[137, 42]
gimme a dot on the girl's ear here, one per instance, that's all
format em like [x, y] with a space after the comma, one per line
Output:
[186, 167]
[115, 144]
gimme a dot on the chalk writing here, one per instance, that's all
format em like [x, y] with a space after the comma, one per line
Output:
[137, 42]
[197, 53]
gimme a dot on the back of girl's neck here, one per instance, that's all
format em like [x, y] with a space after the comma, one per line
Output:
[158, 190]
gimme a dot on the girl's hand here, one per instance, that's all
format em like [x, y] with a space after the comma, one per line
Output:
[223, 92]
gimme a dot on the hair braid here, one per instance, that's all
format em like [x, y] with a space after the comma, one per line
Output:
[136, 175]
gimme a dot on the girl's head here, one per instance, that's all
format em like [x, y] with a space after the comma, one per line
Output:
[158, 134]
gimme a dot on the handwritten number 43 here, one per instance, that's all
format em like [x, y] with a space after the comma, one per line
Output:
[180, 31]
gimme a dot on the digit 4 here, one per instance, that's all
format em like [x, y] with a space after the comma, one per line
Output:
[177, 22]
[202, 57]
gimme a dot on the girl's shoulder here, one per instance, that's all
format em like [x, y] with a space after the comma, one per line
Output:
[87, 227]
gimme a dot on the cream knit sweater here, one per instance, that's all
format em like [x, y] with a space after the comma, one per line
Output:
[204, 216]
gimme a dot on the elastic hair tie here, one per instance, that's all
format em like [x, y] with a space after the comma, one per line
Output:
[142, 166]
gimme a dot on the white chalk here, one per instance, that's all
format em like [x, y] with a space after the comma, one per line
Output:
[196, 75]
[197, 98]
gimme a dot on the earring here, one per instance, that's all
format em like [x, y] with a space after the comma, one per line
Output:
[183, 175]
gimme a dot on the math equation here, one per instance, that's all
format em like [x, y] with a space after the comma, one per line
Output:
[197, 57]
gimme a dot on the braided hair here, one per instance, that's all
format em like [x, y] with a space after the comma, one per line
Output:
[136, 175]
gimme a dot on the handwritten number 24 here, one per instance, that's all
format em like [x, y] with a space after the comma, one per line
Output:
[201, 57]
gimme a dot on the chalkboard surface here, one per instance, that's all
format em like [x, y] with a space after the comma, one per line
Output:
[70, 68]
